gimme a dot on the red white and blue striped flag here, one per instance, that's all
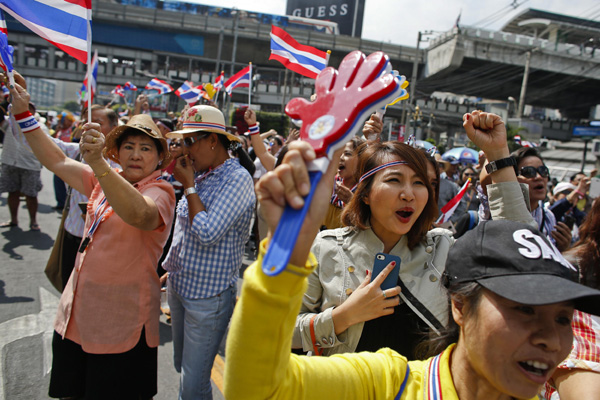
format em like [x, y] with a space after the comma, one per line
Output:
[450, 206]
[187, 85]
[88, 90]
[3, 24]
[6, 55]
[119, 91]
[129, 86]
[241, 79]
[63, 23]
[162, 86]
[219, 81]
[300, 58]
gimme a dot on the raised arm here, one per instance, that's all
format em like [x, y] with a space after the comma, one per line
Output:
[46, 151]
[268, 160]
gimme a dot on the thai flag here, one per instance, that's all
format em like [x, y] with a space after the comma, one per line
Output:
[64, 23]
[187, 85]
[6, 54]
[193, 95]
[305, 60]
[450, 206]
[3, 24]
[119, 91]
[162, 86]
[129, 86]
[90, 85]
[219, 81]
[241, 79]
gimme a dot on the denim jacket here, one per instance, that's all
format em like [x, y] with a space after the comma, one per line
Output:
[343, 256]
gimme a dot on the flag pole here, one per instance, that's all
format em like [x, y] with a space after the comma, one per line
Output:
[250, 87]
[328, 55]
[89, 63]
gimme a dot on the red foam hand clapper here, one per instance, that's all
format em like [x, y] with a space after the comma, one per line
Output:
[343, 97]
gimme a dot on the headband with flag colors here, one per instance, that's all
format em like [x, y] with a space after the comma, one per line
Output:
[162, 86]
[305, 60]
[64, 23]
[129, 86]
[3, 24]
[219, 81]
[450, 207]
[241, 79]
[88, 90]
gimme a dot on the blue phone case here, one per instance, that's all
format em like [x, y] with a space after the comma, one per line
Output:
[381, 261]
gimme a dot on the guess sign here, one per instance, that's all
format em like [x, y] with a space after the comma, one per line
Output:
[340, 11]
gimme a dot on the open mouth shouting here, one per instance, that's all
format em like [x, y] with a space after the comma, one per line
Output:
[535, 370]
[405, 214]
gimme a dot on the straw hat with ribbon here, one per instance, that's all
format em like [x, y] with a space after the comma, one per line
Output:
[142, 123]
[203, 119]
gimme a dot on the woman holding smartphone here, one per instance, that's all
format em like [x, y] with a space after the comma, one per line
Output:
[391, 212]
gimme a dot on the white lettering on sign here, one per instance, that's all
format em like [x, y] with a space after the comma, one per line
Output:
[321, 12]
[538, 249]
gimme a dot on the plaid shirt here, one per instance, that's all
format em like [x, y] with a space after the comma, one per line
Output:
[206, 255]
[585, 353]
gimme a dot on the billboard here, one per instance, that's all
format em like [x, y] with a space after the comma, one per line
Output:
[349, 19]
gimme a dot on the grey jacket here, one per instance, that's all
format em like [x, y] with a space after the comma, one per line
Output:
[344, 255]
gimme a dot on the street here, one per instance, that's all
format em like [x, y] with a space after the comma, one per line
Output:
[28, 305]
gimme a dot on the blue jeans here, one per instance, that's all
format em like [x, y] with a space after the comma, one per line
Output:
[198, 327]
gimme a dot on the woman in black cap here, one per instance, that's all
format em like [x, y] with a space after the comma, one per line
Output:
[509, 293]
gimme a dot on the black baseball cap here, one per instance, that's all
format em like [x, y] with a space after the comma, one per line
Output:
[516, 261]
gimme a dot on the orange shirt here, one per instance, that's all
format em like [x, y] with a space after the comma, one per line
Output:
[114, 290]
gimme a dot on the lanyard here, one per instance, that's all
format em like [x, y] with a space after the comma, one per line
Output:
[98, 218]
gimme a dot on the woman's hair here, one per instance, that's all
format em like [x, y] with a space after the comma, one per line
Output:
[127, 133]
[523, 152]
[238, 150]
[431, 159]
[469, 294]
[356, 142]
[370, 155]
[588, 248]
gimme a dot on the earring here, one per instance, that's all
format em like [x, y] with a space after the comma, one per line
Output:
[212, 148]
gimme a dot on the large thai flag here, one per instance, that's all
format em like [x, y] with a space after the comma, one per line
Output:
[90, 84]
[305, 60]
[6, 55]
[219, 81]
[162, 86]
[450, 206]
[64, 23]
[3, 24]
[241, 79]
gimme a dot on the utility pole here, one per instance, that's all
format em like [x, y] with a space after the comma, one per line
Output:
[524, 85]
[413, 80]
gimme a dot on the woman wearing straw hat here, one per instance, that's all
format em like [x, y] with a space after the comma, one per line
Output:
[211, 230]
[106, 339]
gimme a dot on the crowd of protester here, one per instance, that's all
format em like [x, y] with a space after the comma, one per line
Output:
[487, 298]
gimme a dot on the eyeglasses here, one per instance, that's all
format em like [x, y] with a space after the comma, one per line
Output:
[189, 141]
[531, 172]
[470, 174]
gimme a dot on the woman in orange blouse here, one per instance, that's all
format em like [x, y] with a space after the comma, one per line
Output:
[105, 344]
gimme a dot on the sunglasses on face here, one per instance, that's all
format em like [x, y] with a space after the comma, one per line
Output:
[175, 144]
[189, 141]
[531, 172]
[470, 174]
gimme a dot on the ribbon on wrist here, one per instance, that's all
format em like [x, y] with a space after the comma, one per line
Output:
[253, 129]
[26, 122]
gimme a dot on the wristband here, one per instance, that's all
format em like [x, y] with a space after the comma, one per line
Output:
[581, 195]
[189, 191]
[26, 122]
[253, 129]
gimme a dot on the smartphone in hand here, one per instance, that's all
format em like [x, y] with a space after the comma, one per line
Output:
[381, 261]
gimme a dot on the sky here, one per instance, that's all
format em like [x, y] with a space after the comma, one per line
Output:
[399, 21]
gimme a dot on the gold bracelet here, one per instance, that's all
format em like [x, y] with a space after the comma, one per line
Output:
[103, 175]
